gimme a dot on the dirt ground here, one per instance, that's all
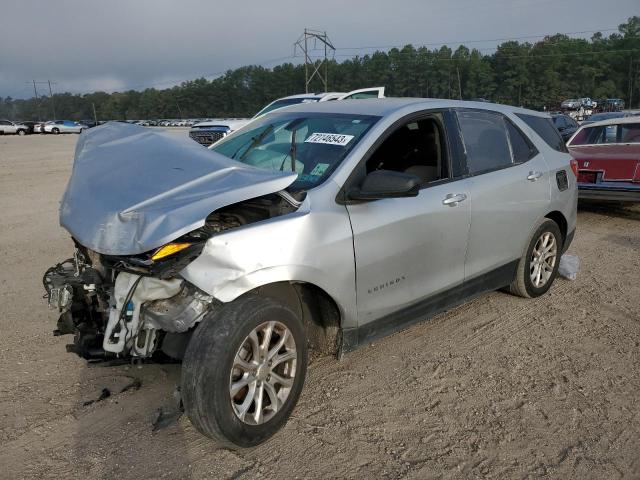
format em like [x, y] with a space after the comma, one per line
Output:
[501, 387]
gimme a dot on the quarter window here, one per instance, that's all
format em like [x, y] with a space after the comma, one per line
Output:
[543, 126]
[521, 147]
[485, 139]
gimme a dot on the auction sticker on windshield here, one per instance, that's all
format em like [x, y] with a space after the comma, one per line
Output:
[329, 139]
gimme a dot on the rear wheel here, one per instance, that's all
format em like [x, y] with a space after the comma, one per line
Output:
[55, 131]
[244, 370]
[22, 132]
[538, 267]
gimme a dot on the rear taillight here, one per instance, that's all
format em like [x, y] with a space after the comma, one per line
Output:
[574, 166]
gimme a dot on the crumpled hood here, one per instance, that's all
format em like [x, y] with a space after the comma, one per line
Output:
[134, 189]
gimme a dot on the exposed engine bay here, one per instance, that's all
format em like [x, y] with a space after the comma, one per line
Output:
[138, 306]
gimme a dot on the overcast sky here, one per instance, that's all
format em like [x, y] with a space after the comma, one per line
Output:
[87, 45]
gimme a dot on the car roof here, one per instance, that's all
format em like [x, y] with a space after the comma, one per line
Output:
[309, 95]
[615, 121]
[386, 106]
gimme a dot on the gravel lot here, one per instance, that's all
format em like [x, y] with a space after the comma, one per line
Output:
[502, 387]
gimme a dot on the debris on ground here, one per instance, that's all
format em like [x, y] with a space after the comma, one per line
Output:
[569, 265]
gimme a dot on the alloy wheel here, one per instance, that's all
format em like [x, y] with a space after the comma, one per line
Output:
[263, 372]
[543, 259]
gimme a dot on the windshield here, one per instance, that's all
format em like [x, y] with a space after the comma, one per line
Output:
[285, 103]
[312, 145]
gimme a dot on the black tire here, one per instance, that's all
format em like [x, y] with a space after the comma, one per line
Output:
[55, 131]
[22, 132]
[207, 366]
[523, 285]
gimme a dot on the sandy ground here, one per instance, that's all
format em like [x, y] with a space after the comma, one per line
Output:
[501, 387]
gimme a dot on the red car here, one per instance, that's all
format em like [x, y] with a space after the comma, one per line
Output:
[608, 158]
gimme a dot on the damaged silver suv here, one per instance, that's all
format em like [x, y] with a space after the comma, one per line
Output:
[317, 226]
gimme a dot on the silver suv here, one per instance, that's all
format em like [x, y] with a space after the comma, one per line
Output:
[319, 226]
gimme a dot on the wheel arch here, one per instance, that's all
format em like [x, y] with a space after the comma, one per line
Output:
[561, 221]
[317, 309]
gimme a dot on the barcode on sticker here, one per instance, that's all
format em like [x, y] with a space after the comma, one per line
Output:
[329, 139]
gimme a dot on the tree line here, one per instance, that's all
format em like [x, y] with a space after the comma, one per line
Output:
[536, 75]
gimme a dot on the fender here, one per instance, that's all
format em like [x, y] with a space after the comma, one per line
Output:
[304, 246]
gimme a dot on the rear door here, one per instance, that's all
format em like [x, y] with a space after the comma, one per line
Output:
[509, 190]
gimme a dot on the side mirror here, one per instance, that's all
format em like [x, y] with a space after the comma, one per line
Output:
[386, 184]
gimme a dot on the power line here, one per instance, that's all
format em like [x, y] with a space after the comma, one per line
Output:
[291, 57]
[384, 47]
[506, 39]
[531, 55]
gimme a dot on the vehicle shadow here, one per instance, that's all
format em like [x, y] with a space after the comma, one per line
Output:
[611, 209]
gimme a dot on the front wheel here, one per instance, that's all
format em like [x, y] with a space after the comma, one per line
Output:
[21, 132]
[538, 267]
[243, 371]
[55, 131]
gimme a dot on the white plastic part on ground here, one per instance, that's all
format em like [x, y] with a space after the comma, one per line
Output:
[569, 266]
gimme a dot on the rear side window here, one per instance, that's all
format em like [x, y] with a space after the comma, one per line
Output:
[544, 127]
[521, 147]
[485, 140]
[630, 133]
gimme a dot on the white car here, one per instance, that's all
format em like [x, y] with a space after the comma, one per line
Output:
[7, 126]
[63, 126]
[209, 132]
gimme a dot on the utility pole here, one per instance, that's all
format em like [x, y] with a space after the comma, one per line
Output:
[35, 92]
[53, 104]
[630, 82]
[95, 116]
[459, 84]
[309, 66]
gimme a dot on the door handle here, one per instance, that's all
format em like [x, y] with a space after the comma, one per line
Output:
[454, 199]
[533, 176]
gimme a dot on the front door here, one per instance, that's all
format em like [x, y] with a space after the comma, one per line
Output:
[407, 250]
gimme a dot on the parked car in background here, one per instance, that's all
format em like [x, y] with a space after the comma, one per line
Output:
[88, 123]
[608, 155]
[598, 117]
[63, 126]
[30, 125]
[566, 125]
[327, 224]
[207, 133]
[9, 127]
[571, 104]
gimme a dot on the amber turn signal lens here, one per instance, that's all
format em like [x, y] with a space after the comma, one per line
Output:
[574, 166]
[169, 249]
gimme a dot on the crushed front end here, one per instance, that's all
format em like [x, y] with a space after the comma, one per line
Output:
[117, 308]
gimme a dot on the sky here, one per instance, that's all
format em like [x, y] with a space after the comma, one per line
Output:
[88, 45]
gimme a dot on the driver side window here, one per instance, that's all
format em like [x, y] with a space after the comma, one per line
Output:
[417, 148]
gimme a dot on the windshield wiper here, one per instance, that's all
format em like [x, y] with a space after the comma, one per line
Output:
[254, 143]
[294, 147]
